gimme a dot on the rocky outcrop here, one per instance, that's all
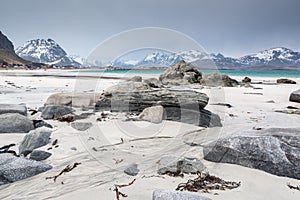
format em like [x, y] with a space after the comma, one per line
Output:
[175, 165]
[13, 108]
[54, 112]
[274, 150]
[17, 168]
[152, 114]
[180, 73]
[35, 139]
[295, 96]
[216, 79]
[73, 99]
[175, 195]
[15, 123]
[179, 105]
[285, 81]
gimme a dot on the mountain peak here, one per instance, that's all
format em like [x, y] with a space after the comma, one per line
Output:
[5, 43]
[45, 51]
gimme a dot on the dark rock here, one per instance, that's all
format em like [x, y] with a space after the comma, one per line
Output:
[153, 82]
[246, 80]
[53, 112]
[81, 126]
[216, 79]
[175, 165]
[35, 139]
[175, 195]
[41, 123]
[289, 111]
[285, 81]
[274, 150]
[295, 96]
[135, 79]
[179, 105]
[13, 108]
[132, 170]
[180, 73]
[270, 101]
[15, 123]
[17, 168]
[39, 155]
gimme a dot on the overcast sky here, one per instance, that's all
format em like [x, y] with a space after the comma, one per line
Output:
[231, 27]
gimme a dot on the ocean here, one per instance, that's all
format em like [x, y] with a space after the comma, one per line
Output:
[250, 73]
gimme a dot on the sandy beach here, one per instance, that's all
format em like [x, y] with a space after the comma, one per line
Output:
[144, 143]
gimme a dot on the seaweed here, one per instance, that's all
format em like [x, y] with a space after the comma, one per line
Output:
[293, 187]
[117, 189]
[206, 182]
[68, 168]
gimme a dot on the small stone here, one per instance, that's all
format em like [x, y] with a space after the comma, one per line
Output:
[39, 155]
[132, 170]
[81, 126]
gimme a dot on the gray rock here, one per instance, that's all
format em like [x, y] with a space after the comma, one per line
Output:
[81, 126]
[175, 195]
[39, 155]
[153, 82]
[180, 73]
[289, 111]
[13, 108]
[176, 165]
[270, 101]
[179, 105]
[15, 123]
[135, 79]
[17, 168]
[295, 96]
[73, 99]
[216, 79]
[285, 81]
[53, 112]
[35, 139]
[246, 80]
[153, 114]
[41, 123]
[132, 170]
[274, 150]
[127, 86]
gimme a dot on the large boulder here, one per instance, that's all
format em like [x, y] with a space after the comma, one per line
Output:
[180, 73]
[179, 105]
[274, 150]
[285, 81]
[17, 168]
[127, 86]
[54, 112]
[13, 108]
[295, 96]
[73, 99]
[135, 79]
[153, 82]
[176, 165]
[35, 139]
[175, 195]
[15, 123]
[216, 79]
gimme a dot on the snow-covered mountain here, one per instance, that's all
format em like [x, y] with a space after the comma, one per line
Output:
[46, 51]
[274, 57]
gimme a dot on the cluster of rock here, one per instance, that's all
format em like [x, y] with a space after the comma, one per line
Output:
[13, 119]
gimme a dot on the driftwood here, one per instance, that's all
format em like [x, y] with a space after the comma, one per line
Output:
[205, 183]
[68, 168]
[293, 187]
[117, 187]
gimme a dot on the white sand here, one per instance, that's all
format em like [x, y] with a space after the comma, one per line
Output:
[96, 176]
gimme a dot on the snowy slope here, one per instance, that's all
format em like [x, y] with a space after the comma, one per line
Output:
[46, 51]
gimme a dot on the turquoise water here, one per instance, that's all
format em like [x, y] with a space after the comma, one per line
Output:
[253, 73]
